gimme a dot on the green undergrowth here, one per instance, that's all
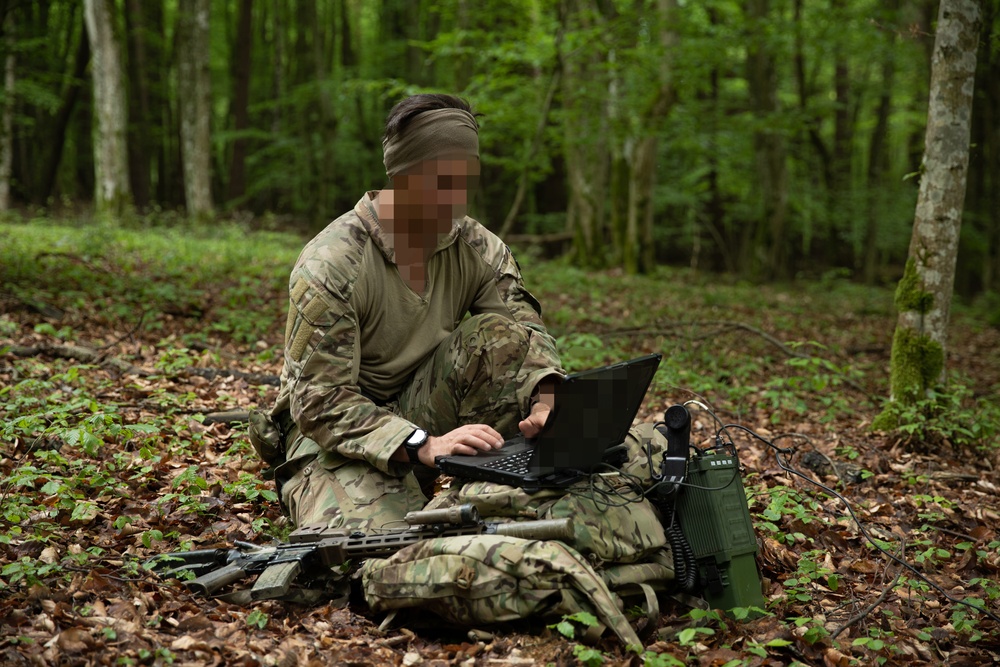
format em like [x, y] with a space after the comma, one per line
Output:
[223, 276]
[789, 350]
[88, 452]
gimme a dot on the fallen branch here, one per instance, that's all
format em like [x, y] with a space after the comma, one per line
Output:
[77, 353]
[725, 327]
[215, 373]
[45, 310]
[666, 330]
[867, 610]
[76, 260]
[91, 356]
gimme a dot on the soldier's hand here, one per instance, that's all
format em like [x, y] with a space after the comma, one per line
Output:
[544, 401]
[531, 426]
[466, 440]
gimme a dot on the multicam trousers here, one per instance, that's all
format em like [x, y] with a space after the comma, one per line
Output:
[470, 379]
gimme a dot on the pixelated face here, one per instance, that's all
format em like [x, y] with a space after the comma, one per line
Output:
[436, 190]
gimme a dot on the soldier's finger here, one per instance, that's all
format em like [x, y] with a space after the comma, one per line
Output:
[477, 441]
[489, 434]
[464, 450]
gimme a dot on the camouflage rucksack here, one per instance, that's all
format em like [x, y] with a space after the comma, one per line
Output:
[619, 542]
[476, 579]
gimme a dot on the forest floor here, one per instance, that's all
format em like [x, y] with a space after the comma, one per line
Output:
[115, 344]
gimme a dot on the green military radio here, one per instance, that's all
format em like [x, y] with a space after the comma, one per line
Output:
[708, 520]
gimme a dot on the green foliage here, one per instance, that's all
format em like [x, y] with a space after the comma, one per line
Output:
[257, 619]
[314, 98]
[784, 505]
[29, 571]
[948, 415]
[652, 659]
[810, 571]
[591, 657]
[813, 382]
[567, 627]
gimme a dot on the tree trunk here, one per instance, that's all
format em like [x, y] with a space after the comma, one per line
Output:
[923, 297]
[878, 152]
[7, 128]
[70, 96]
[529, 158]
[348, 56]
[842, 126]
[983, 199]
[639, 248]
[241, 101]
[194, 88]
[140, 164]
[586, 137]
[767, 239]
[112, 195]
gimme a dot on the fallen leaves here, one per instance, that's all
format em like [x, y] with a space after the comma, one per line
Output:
[194, 484]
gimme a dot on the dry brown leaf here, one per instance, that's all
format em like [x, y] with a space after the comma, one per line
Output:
[834, 658]
[74, 640]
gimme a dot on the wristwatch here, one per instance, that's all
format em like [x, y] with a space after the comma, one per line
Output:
[413, 444]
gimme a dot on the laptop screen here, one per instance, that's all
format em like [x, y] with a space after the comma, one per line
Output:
[593, 411]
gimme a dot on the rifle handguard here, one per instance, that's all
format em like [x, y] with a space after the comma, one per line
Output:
[546, 529]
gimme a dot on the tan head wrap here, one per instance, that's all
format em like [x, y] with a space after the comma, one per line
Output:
[430, 135]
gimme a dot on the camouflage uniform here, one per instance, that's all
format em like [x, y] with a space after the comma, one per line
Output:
[367, 361]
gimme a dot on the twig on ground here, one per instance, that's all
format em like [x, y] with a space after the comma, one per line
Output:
[128, 334]
[726, 326]
[667, 330]
[867, 610]
[45, 310]
[89, 355]
[73, 258]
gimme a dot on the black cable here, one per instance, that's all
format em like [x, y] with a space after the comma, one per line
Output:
[685, 563]
[787, 468]
[631, 493]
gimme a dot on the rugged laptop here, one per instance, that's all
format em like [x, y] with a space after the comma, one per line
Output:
[593, 411]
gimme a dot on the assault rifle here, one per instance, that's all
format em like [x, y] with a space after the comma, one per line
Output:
[315, 552]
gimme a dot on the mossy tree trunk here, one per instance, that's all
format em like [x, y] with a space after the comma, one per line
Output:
[923, 296]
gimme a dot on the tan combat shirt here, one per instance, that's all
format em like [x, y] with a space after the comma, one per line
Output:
[355, 326]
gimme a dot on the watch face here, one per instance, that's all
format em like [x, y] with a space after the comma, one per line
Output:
[414, 443]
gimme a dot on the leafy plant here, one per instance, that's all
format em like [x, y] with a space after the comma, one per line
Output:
[257, 619]
[810, 571]
[567, 627]
[947, 415]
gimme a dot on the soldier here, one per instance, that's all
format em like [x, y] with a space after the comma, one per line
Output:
[410, 334]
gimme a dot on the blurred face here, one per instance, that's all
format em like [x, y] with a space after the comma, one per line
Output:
[435, 191]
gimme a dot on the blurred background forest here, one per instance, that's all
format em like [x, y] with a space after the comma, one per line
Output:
[766, 138]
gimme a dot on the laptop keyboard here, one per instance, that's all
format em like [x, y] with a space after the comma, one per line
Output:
[515, 463]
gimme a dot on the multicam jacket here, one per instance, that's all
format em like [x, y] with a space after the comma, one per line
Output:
[356, 331]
